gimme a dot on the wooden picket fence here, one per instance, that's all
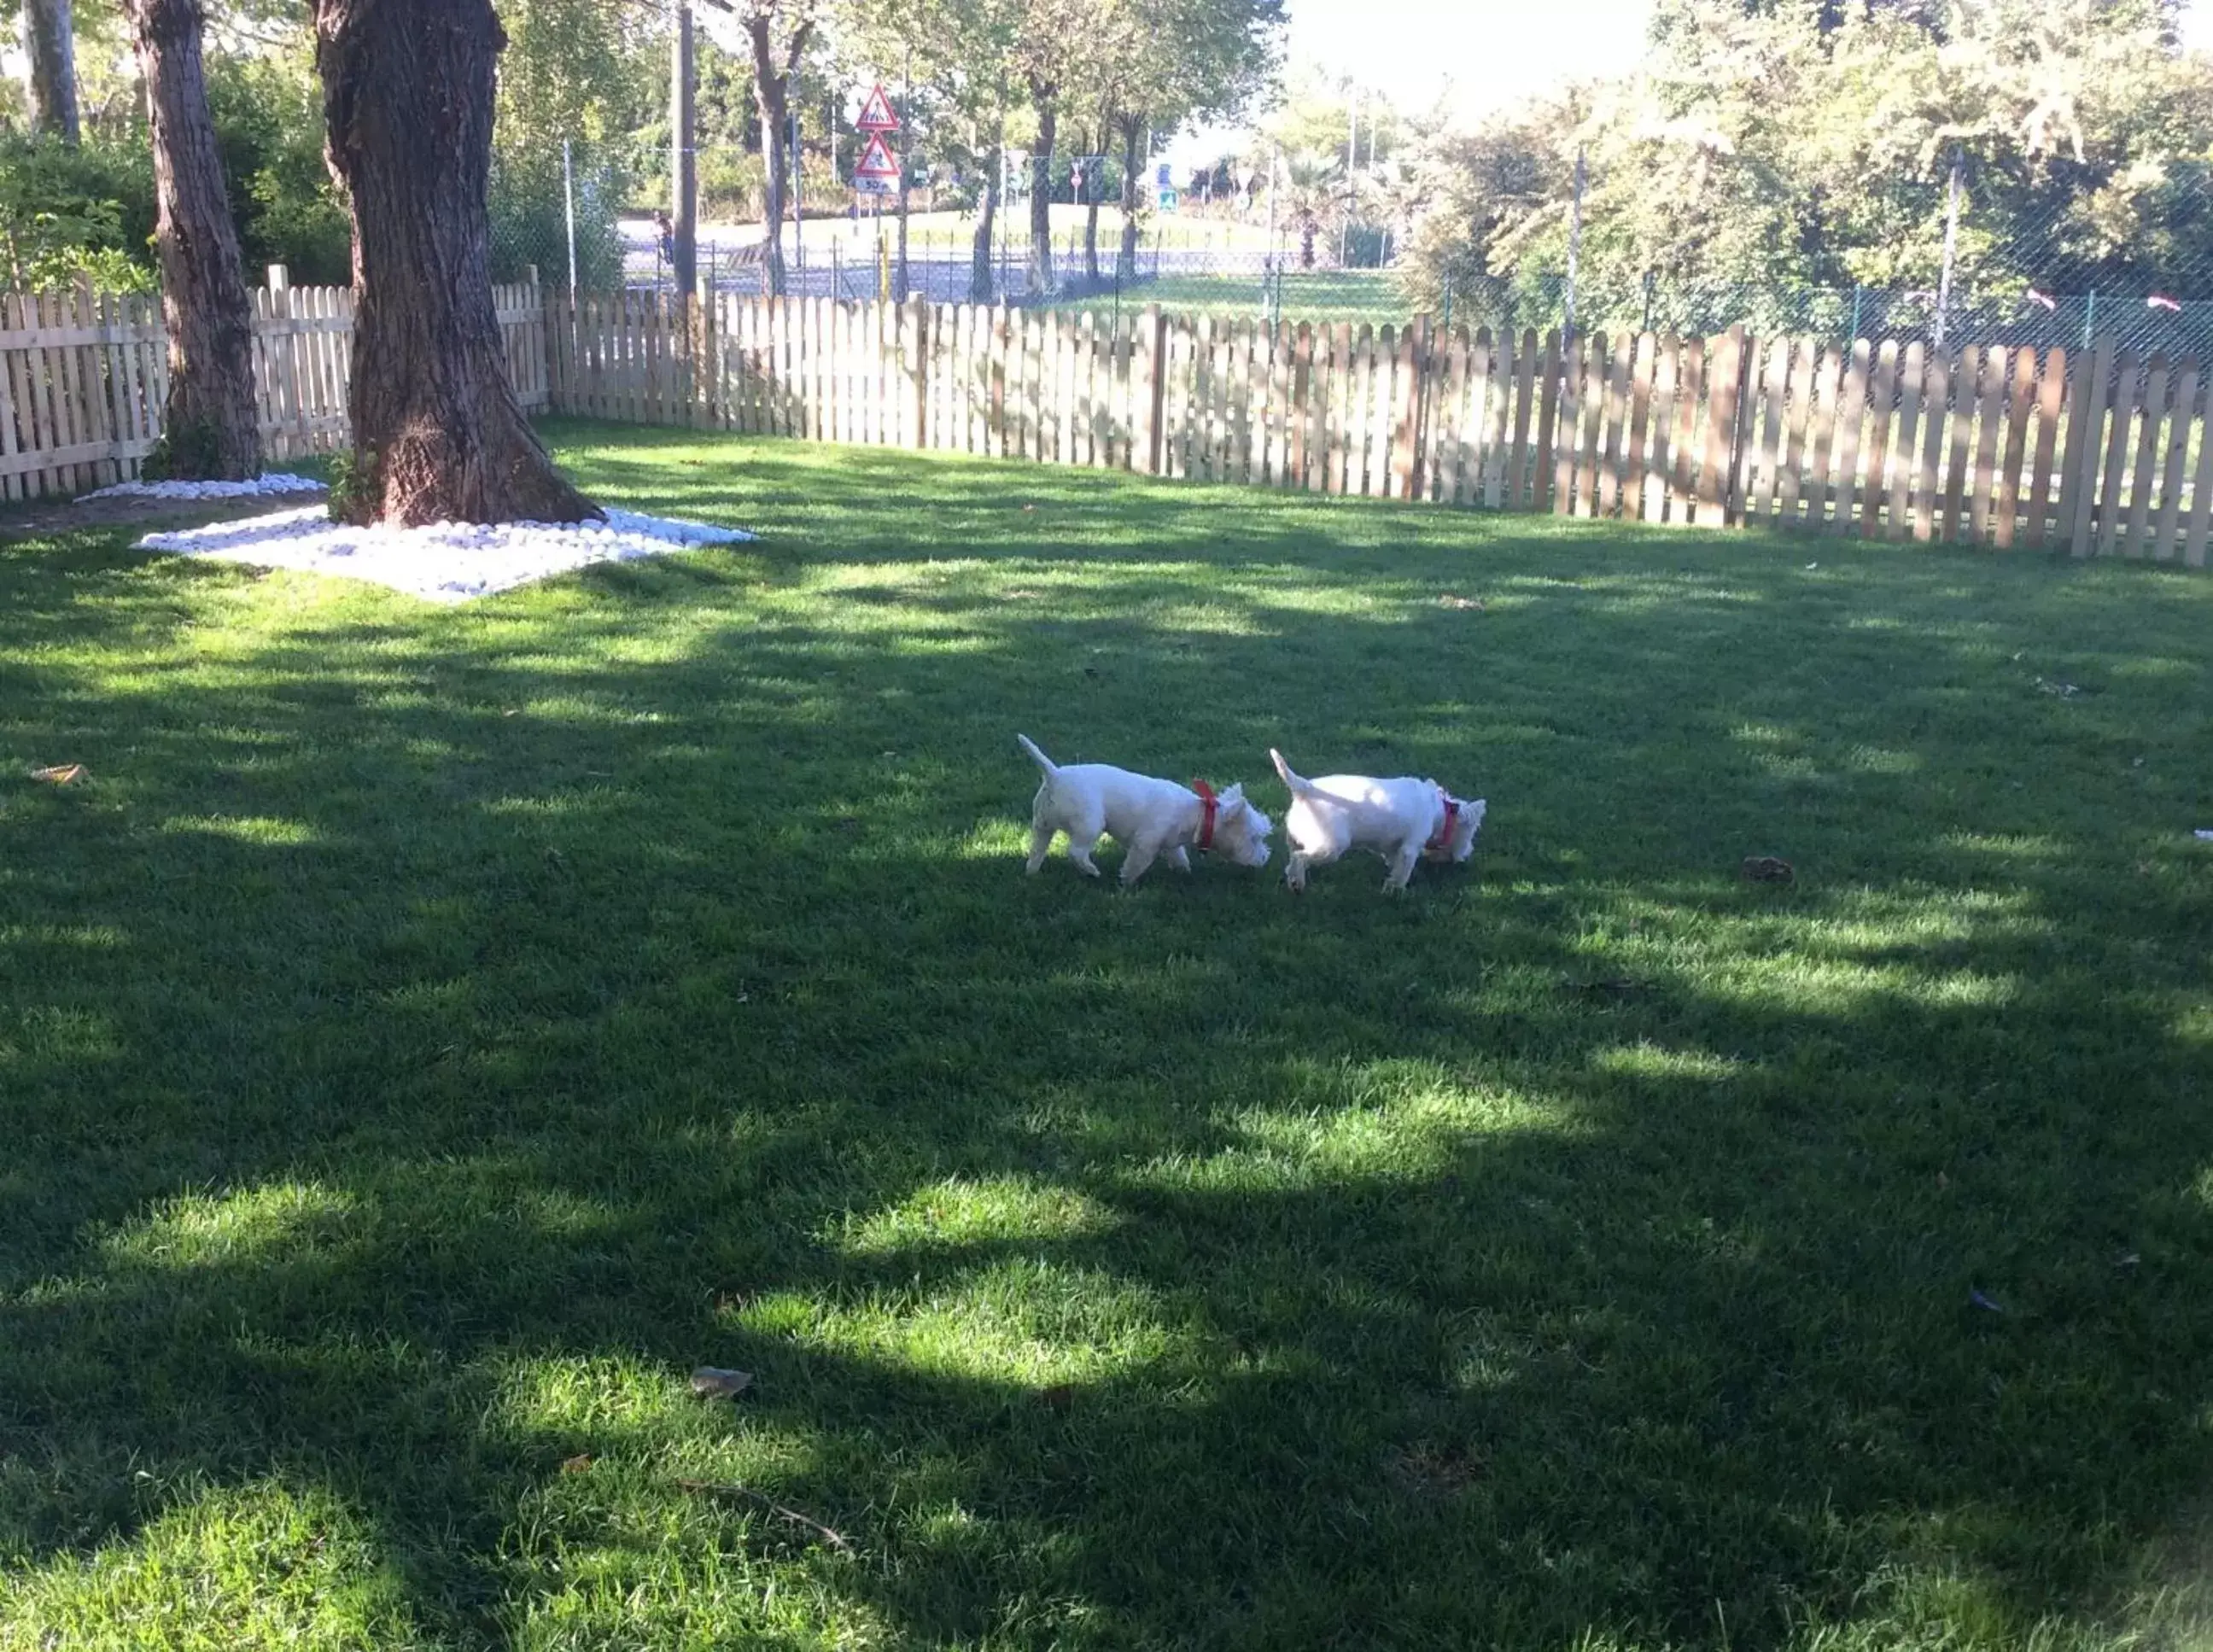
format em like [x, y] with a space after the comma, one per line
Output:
[1993, 446]
[83, 377]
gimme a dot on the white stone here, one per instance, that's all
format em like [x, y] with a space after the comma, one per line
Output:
[269, 483]
[442, 563]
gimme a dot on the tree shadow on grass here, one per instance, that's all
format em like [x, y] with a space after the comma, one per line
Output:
[436, 1034]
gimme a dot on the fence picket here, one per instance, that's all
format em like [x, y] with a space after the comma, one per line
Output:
[2128, 390]
[1845, 453]
[1990, 417]
[1996, 445]
[2142, 480]
[2180, 420]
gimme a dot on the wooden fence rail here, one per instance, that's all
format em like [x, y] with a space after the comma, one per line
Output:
[83, 377]
[1991, 446]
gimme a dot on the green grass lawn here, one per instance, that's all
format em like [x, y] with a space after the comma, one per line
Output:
[432, 1033]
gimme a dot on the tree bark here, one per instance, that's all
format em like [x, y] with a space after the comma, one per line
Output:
[683, 172]
[772, 97]
[50, 42]
[437, 433]
[979, 257]
[1132, 129]
[210, 423]
[1045, 95]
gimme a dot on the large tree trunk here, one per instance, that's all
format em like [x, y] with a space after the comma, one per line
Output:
[210, 425]
[1043, 96]
[49, 41]
[438, 432]
[771, 97]
[1133, 128]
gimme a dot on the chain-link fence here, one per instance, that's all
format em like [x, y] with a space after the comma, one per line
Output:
[2062, 267]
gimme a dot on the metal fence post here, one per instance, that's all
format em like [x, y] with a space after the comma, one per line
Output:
[1951, 242]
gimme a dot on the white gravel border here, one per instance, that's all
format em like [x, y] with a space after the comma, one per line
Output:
[269, 484]
[442, 562]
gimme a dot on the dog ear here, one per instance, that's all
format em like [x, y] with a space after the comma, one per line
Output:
[1234, 794]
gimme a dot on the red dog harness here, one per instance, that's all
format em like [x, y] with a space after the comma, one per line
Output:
[1208, 803]
[1443, 839]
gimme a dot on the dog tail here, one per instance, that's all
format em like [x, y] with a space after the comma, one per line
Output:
[1299, 784]
[1037, 757]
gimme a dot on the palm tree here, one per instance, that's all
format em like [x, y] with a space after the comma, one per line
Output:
[1313, 187]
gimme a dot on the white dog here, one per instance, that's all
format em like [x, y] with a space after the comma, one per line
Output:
[1403, 821]
[1150, 818]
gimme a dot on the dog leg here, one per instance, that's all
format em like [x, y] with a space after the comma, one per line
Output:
[1141, 854]
[1079, 851]
[1041, 837]
[1179, 858]
[1402, 867]
[1294, 874]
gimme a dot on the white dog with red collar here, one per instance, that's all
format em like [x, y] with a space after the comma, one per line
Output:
[1404, 820]
[1148, 818]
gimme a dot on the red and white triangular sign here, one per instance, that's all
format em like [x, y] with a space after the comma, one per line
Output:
[876, 161]
[876, 114]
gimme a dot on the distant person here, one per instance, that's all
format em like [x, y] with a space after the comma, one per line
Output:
[667, 237]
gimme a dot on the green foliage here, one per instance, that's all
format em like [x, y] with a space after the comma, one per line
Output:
[528, 215]
[185, 451]
[1787, 147]
[75, 212]
[267, 109]
[356, 489]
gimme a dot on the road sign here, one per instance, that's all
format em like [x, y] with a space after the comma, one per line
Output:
[875, 185]
[876, 114]
[876, 161]
[1168, 200]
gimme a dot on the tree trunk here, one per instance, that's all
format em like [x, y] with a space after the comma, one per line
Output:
[1132, 129]
[50, 43]
[683, 172]
[210, 425]
[1091, 216]
[979, 260]
[437, 433]
[1043, 95]
[771, 97]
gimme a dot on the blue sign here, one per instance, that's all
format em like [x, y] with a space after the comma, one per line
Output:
[1168, 200]
[1163, 178]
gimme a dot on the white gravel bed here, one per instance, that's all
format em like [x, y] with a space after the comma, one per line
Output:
[269, 484]
[440, 562]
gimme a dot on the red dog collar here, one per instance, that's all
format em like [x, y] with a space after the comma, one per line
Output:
[1443, 839]
[1208, 803]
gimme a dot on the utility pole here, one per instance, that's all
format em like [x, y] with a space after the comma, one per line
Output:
[683, 170]
[906, 124]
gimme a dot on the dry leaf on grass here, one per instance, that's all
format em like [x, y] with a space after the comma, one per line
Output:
[61, 774]
[713, 1382]
[577, 1464]
[1461, 601]
[1767, 869]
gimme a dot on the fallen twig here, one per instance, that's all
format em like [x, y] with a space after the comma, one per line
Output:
[731, 1489]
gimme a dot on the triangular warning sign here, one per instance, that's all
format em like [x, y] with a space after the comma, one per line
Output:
[875, 160]
[876, 114]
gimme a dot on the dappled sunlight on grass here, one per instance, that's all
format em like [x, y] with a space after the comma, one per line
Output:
[431, 1034]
